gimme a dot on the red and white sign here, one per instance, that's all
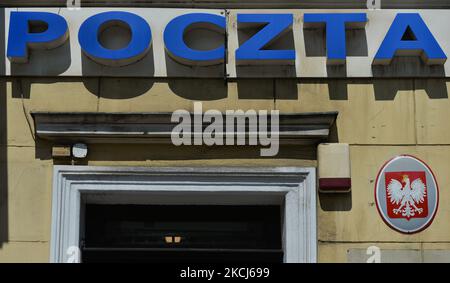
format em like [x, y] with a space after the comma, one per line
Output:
[406, 194]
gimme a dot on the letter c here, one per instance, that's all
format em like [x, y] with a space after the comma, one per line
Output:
[177, 48]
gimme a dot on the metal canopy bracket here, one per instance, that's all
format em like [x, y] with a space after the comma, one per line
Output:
[295, 129]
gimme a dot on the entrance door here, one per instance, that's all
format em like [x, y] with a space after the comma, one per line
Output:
[182, 233]
[202, 214]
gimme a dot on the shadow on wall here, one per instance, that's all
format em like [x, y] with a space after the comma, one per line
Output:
[284, 42]
[3, 141]
[434, 81]
[268, 89]
[335, 201]
[195, 89]
[119, 88]
[202, 83]
[387, 88]
[435, 88]
[208, 89]
[215, 89]
[127, 153]
[315, 42]
[199, 89]
[257, 89]
[43, 149]
[197, 39]
[3, 166]
[142, 152]
[21, 87]
[45, 62]
[408, 67]
[144, 67]
[400, 67]
[315, 46]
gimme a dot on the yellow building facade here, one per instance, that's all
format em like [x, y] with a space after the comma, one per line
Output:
[379, 118]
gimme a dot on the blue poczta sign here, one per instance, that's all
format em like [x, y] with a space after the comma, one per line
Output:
[252, 51]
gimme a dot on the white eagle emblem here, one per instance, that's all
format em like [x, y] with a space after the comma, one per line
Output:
[407, 196]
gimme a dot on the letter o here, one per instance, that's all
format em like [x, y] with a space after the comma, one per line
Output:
[141, 38]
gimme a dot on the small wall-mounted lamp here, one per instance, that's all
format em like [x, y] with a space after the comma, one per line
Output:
[79, 150]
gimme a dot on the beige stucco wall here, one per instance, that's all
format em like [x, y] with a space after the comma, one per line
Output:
[378, 118]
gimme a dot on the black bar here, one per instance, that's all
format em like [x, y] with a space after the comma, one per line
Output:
[106, 249]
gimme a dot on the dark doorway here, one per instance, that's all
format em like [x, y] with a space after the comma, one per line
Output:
[182, 233]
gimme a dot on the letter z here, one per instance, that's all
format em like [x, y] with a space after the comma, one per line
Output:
[252, 49]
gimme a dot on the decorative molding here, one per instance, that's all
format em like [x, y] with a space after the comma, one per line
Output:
[297, 129]
[296, 186]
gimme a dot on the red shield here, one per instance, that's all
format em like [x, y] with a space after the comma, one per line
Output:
[406, 194]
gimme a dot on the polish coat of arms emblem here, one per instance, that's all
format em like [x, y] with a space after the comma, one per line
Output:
[406, 194]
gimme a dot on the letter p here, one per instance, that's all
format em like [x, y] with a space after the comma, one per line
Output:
[21, 38]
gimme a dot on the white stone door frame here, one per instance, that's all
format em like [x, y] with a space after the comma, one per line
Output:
[295, 186]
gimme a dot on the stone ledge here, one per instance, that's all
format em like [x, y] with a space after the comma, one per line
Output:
[301, 129]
